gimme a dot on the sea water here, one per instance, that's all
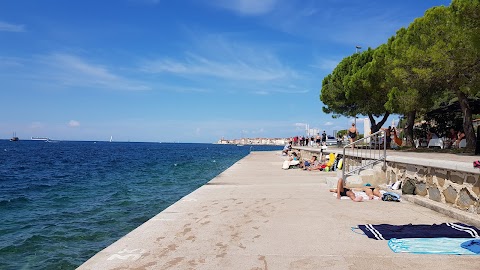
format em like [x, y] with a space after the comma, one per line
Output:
[62, 202]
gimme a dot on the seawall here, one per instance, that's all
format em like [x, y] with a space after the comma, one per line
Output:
[257, 216]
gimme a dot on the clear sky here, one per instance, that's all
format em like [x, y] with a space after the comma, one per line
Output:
[174, 70]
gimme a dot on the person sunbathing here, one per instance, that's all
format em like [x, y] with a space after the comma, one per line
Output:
[345, 192]
[372, 192]
[319, 165]
[307, 164]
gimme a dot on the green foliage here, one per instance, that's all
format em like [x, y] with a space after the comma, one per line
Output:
[356, 87]
[435, 59]
[342, 133]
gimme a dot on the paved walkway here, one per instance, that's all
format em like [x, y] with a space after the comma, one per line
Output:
[462, 162]
[468, 158]
[257, 216]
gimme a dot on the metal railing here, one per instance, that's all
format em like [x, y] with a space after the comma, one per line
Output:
[364, 153]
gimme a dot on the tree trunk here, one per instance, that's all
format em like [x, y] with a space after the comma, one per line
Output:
[467, 119]
[409, 127]
[376, 126]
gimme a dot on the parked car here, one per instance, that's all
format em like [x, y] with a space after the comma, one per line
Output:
[331, 140]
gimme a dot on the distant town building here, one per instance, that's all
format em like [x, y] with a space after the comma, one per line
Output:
[255, 141]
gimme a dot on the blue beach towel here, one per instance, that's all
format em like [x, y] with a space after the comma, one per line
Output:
[472, 245]
[449, 246]
[387, 231]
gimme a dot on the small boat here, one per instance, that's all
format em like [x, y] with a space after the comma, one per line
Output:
[14, 137]
[40, 139]
[111, 138]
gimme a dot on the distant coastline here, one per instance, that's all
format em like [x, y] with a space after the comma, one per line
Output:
[255, 141]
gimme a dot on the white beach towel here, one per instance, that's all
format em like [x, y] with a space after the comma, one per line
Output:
[357, 194]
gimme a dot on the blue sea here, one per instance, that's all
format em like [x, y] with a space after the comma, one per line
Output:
[62, 202]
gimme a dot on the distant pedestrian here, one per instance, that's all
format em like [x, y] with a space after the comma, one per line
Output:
[324, 137]
[318, 139]
[352, 133]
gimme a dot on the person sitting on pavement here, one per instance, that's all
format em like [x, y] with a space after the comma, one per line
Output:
[451, 137]
[431, 135]
[460, 136]
[287, 148]
[345, 192]
[292, 161]
[313, 162]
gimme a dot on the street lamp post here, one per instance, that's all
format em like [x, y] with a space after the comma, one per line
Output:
[357, 48]
[356, 51]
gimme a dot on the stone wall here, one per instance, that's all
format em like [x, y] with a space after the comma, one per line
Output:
[455, 188]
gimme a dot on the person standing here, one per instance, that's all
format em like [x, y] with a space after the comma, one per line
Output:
[324, 137]
[318, 140]
[352, 133]
[388, 136]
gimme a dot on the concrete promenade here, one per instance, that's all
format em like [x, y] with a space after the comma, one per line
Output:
[462, 162]
[257, 216]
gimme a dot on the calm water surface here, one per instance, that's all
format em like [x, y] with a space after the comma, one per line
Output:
[62, 202]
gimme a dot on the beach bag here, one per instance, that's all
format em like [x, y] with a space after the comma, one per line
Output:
[334, 166]
[390, 197]
[408, 186]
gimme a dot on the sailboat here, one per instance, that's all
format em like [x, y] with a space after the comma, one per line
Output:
[14, 137]
[111, 138]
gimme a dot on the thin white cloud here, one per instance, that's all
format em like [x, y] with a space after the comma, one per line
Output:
[356, 22]
[358, 120]
[73, 71]
[73, 123]
[266, 68]
[230, 65]
[247, 7]
[328, 123]
[8, 27]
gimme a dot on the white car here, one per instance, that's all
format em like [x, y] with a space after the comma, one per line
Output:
[331, 140]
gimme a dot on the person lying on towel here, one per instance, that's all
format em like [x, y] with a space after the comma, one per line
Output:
[345, 192]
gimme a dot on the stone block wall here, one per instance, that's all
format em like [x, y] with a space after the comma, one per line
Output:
[457, 189]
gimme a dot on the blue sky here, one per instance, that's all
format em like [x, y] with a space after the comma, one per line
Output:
[187, 71]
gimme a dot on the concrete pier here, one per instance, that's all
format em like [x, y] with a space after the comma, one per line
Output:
[257, 216]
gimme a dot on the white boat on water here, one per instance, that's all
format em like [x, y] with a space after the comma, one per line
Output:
[40, 139]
